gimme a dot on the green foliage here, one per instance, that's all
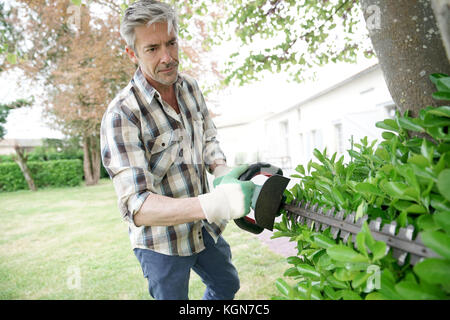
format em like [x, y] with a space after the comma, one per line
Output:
[57, 173]
[292, 36]
[10, 37]
[56, 149]
[4, 112]
[406, 178]
[42, 154]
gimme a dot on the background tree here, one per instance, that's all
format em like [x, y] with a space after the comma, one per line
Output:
[74, 49]
[9, 37]
[79, 62]
[20, 157]
[292, 36]
[441, 9]
[301, 34]
[409, 48]
[85, 80]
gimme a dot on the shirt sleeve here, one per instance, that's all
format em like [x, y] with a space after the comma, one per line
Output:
[123, 157]
[212, 153]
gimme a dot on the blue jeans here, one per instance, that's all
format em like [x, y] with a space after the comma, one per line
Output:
[168, 276]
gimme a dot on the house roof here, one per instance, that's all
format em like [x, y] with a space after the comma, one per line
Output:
[231, 122]
[329, 89]
[243, 120]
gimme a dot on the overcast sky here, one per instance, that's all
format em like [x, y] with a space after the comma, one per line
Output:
[27, 122]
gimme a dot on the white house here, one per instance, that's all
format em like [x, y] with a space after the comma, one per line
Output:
[328, 117]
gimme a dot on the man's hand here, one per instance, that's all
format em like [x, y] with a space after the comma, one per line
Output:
[231, 198]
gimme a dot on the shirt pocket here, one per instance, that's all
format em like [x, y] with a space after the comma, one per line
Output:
[162, 152]
[198, 127]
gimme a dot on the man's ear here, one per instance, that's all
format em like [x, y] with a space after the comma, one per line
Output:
[131, 54]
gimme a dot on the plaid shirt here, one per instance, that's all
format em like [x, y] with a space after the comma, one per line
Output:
[148, 148]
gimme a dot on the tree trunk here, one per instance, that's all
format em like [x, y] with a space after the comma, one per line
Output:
[91, 163]
[409, 48]
[22, 162]
[441, 9]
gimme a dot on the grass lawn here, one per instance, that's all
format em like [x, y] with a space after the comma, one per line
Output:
[70, 243]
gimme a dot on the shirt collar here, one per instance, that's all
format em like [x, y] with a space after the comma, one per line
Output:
[146, 88]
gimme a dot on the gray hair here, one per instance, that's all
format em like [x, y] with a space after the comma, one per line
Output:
[146, 12]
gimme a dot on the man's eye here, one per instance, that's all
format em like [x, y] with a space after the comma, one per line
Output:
[151, 49]
[173, 43]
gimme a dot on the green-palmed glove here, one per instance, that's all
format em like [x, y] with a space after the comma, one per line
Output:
[230, 199]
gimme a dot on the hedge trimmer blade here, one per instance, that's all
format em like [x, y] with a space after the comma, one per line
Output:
[401, 243]
[269, 200]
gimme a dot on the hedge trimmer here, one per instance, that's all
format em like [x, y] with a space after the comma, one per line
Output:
[268, 201]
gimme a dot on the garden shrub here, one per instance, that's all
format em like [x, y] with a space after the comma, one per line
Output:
[57, 173]
[6, 158]
[46, 153]
[406, 178]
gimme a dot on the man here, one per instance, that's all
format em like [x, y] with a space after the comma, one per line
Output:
[157, 141]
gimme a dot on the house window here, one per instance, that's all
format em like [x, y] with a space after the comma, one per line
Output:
[302, 147]
[284, 130]
[285, 158]
[338, 136]
[307, 146]
[316, 136]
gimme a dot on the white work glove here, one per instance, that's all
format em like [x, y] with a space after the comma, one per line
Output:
[231, 198]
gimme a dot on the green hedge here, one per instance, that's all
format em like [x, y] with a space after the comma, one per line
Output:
[38, 155]
[57, 173]
[50, 156]
[406, 179]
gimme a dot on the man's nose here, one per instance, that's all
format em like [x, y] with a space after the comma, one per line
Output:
[166, 57]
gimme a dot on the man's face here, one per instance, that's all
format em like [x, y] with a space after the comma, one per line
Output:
[156, 54]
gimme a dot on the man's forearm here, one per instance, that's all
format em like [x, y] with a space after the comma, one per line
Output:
[158, 210]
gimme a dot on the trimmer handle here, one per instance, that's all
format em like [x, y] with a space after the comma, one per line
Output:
[258, 168]
[266, 169]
